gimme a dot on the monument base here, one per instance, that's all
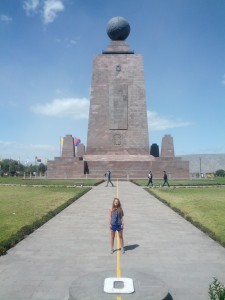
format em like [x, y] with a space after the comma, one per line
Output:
[123, 167]
[65, 168]
[136, 166]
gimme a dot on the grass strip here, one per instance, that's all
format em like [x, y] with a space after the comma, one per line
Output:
[183, 182]
[31, 213]
[49, 182]
[203, 207]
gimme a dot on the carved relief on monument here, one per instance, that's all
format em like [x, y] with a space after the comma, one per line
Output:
[118, 68]
[117, 139]
[118, 106]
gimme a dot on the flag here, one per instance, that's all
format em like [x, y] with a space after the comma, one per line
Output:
[61, 144]
[61, 141]
[77, 141]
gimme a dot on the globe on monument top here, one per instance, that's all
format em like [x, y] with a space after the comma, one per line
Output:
[118, 29]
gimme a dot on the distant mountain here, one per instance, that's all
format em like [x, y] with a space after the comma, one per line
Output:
[205, 163]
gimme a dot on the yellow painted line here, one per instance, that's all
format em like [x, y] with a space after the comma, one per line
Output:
[118, 270]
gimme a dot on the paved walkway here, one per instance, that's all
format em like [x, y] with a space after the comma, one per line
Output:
[76, 243]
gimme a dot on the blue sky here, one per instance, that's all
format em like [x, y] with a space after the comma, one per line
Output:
[46, 53]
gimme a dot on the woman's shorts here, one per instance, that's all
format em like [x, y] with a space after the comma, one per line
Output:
[116, 228]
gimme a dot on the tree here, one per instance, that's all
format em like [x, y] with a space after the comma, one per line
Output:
[41, 168]
[220, 173]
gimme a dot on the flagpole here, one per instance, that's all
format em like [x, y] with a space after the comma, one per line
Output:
[35, 166]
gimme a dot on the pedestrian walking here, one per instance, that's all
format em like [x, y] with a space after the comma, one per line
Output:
[108, 175]
[116, 223]
[150, 177]
[165, 178]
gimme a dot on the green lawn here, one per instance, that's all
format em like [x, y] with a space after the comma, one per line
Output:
[43, 181]
[184, 182]
[30, 207]
[204, 207]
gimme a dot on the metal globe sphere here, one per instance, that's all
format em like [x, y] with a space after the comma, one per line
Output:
[118, 29]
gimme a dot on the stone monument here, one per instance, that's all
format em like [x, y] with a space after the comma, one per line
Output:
[118, 137]
[167, 147]
[118, 116]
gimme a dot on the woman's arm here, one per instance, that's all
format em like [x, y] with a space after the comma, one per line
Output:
[122, 219]
[110, 217]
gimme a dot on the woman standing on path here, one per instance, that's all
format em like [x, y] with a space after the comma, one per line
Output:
[116, 223]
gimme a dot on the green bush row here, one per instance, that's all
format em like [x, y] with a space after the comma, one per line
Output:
[28, 229]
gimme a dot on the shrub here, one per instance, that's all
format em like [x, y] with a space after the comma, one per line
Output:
[216, 290]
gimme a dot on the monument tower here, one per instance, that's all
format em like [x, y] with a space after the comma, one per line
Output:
[118, 115]
[117, 137]
[118, 128]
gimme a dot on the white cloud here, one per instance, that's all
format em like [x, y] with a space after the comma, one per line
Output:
[68, 43]
[158, 123]
[65, 107]
[223, 81]
[5, 19]
[31, 6]
[6, 143]
[47, 8]
[73, 42]
[50, 10]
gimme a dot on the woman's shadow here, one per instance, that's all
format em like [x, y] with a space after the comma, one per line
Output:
[130, 247]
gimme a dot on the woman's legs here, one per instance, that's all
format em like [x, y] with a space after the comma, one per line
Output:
[121, 238]
[112, 239]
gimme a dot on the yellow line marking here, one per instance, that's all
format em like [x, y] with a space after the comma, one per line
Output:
[118, 271]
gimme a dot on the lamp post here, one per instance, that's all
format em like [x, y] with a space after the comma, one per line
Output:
[200, 166]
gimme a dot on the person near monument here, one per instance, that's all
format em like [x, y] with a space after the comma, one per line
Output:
[150, 177]
[116, 223]
[108, 175]
[165, 178]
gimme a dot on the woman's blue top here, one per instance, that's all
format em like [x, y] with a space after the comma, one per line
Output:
[116, 218]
